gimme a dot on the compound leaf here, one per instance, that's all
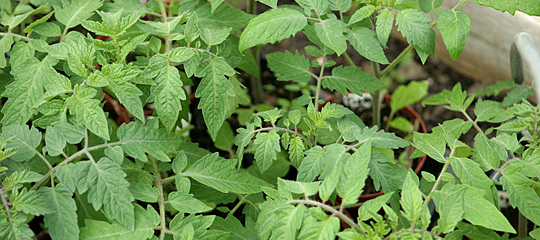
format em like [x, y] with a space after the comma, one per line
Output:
[87, 111]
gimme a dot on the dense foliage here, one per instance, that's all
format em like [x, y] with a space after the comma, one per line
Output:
[67, 169]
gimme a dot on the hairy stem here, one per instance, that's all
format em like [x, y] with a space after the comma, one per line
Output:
[27, 39]
[5, 203]
[161, 199]
[376, 108]
[396, 61]
[330, 209]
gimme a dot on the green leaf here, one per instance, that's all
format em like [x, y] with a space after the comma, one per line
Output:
[340, 5]
[385, 22]
[361, 14]
[48, 29]
[526, 6]
[330, 32]
[270, 3]
[186, 203]
[20, 53]
[192, 28]
[385, 174]
[145, 221]
[352, 79]
[73, 13]
[370, 208]
[311, 165]
[456, 99]
[180, 54]
[23, 140]
[429, 5]
[87, 111]
[214, 91]
[517, 94]
[522, 195]
[16, 229]
[26, 91]
[380, 139]
[75, 65]
[331, 179]
[449, 202]
[112, 24]
[402, 124]
[296, 150]
[213, 35]
[480, 211]
[365, 42]
[196, 226]
[242, 139]
[430, 144]
[19, 177]
[306, 188]
[107, 188]
[405, 95]
[411, 198]
[144, 191]
[29, 202]
[319, 6]
[271, 26]
[319, 227]
[487, 153]
[220, 175]
[470, 173]
[62, 222]
[138, 139]
[55, 142]
[222, 16]
[5, 46]
[416, 29]
[266, 147]
[234, 226]
[455, 28]
[289, 221]
[289, 66]
[488, 110]
[168, 93]
[354, 175]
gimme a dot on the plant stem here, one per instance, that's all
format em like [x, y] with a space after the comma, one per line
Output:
[16, 35]
[163, 11]
[5, 203]
[161, 199]
[349, 60]
[434, 188]
[376, 107]
[237, 206]
[319, 83]
[330, 209]
[396, 61]
[522, 226]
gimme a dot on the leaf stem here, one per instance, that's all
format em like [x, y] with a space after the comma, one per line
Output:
[376, 108]
[163, 11]
[161, 199]
[283, 130]
[5, 203]
[396, 61]
[16, 35]
[330, 209]
[349, 60]
[71, 158]
[240, 202]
